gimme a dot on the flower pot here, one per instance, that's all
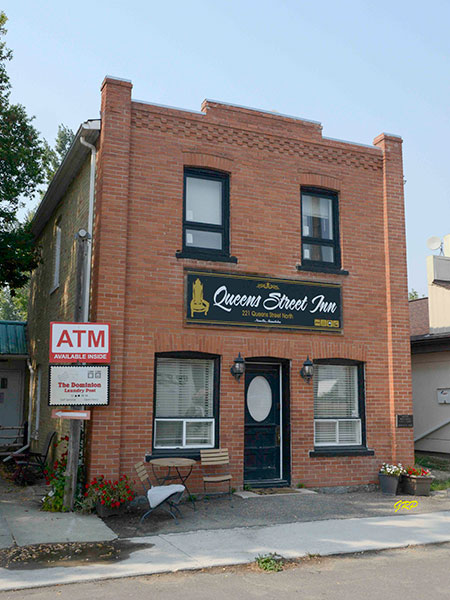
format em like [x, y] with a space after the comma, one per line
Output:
[109, 511]
[417, 485]
[388, 484]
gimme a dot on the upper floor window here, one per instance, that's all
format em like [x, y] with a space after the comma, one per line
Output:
[320, 228]
[206, 213]
[56, 256]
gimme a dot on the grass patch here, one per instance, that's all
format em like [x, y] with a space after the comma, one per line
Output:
[440, 485]
[433, 462]
[270, 562]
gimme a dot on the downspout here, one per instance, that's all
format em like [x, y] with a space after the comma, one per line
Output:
[90, 228]
[30, 399]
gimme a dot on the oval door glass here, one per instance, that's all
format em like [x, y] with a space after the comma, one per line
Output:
[259, 398]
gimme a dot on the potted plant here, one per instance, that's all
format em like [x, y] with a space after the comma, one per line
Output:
[417, 481]
[389, 476]
[107, 497]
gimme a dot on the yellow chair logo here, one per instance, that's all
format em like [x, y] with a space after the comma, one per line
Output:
[198, 303]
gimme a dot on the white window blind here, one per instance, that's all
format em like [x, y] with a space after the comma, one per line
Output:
[336, 410]
[335, 391]
[204, 200]
[184, 388]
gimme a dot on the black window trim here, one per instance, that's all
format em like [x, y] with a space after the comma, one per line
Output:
[224, 229]
[187, 452]
[335, 242]
[351, 450]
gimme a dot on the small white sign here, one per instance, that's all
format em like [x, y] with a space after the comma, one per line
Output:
[443, 395]
[78, 385]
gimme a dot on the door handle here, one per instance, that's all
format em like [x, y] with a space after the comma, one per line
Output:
[277, 434]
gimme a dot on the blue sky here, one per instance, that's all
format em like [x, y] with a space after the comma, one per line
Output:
[358, 67]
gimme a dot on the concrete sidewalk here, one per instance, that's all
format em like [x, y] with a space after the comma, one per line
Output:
[219, 547]
[24, 526]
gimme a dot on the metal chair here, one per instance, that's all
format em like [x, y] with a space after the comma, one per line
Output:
[160, 494]
[30, 464]
[216, 458]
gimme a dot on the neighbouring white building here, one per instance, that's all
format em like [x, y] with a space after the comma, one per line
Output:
[430, 349]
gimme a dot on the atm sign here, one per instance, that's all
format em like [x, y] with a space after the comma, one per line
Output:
[79, 342]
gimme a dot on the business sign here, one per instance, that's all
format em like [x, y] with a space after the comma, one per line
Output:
[251, 301]
[79, 342]
[78, 385]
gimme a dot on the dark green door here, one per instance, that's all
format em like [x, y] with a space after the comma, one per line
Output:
[262, 423]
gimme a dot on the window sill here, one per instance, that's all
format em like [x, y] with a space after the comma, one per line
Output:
[182, 453]
[319, 269]
[341, 451]
[206, 256]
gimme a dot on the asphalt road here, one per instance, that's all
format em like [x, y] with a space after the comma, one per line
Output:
[415, 573]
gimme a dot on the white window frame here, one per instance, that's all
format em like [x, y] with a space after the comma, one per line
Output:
[338, 443]
[359, 419]
[184, 445]
[56, 257]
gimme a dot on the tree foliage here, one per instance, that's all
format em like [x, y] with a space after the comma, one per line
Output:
[54, 156]
[22, 161]
[14, 308]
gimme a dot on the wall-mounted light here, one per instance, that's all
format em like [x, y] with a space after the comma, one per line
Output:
[238, 368]
[307, 370]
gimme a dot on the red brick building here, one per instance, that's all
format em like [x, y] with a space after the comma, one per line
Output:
[228, 231]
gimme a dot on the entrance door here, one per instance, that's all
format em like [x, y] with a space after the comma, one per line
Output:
[262, 452]
[10, 401]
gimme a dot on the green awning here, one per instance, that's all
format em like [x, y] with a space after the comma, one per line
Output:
[13, 339]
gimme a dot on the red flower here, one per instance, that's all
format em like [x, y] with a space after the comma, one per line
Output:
[102, 502]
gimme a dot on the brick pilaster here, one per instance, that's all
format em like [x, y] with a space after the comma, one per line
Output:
[109, 264]
[398, 348]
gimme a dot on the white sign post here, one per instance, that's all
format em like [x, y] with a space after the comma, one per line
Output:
[79, 385]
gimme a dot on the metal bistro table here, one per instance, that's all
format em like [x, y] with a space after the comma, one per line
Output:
[175, 463]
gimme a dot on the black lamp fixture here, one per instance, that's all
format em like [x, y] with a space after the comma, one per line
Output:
[307, 370]
[238, 368]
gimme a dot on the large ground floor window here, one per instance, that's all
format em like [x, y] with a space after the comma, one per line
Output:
[186, 402]
[338, 404]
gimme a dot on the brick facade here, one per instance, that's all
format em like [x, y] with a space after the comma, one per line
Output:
[138, 282]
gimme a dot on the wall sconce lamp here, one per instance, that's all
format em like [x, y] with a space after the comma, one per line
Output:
[307, 370]
[238, 368]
